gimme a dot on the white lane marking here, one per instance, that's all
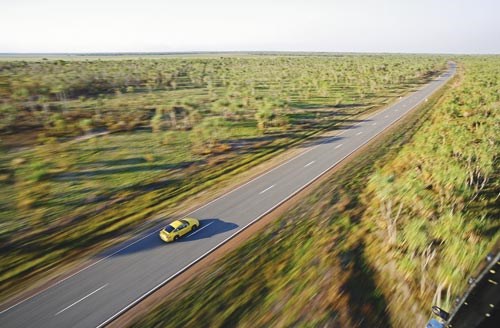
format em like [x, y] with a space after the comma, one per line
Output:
[338, 146]
[196, 231]
[149, 292]
[156, 230]
[386, 116]
[375, 123]
[263, 191]
[81, 299]
[310, 163]
[359, 133]
[77, 272]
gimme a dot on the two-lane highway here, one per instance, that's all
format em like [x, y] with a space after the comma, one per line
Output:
[101, 292]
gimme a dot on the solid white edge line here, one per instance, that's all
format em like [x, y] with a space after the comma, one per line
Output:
[81, 299]
[253, 221]
[157, 229]
[77, 272]
[263, 191]
[220, 197]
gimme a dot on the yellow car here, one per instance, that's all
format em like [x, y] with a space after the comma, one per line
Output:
[179, 228]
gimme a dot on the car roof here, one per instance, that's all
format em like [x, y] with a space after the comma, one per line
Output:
[176, 224]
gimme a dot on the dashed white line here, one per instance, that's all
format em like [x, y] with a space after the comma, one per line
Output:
[375, 123]
[91, 265]
[338, 146]
[149, 292]
[77, 272]
[263, 191]
[359, 133]
[81, 299]
[157, 229]
[386, 116]
[196, 231]
[310, 163]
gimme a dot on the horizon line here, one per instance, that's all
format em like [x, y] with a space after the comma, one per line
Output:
[94, 53]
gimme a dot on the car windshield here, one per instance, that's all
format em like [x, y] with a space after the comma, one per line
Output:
[169, 228]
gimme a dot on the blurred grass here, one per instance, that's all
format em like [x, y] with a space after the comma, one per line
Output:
[63, 199]
[77, 195]
[445, 185]
[332, 261]
[306, 269]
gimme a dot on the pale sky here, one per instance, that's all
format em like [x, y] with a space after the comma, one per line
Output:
[423, 26]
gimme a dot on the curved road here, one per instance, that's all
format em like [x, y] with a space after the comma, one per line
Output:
[99, 293]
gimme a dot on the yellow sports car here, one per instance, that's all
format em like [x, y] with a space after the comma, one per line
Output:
[179, 228]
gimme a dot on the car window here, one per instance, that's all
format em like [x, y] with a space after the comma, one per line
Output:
[169, 228]
[184, 223]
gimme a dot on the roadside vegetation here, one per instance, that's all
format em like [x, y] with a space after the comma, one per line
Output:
[91, 149]
[395, 231]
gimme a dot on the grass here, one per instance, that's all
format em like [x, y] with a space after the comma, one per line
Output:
[445, 181]
[331, 260]
[312, 270]
[123, 190]
[62, 200]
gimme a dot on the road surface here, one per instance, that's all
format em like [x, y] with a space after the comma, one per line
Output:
[99, 293]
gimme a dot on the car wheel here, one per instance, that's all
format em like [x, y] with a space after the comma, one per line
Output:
[176, 238]
[194, 227]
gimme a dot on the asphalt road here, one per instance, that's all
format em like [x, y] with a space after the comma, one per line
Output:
[95, 295]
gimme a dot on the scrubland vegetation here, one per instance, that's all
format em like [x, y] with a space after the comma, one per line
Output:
[391, 234]
[91, 149]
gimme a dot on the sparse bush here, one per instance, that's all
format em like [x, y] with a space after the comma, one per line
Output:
[169, 138]
[86, 125]
[71, 91]
[206, 135]
[157, 120]
[119, 126]
[38, 171]
[149, 158]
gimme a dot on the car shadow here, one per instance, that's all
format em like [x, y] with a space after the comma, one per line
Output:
[151, 239]
[209, 228]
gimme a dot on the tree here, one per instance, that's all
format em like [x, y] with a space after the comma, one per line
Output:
[8, 115]
[208, 133]
[157, 120]
[86, 125]
[264, 115]
[57, 123]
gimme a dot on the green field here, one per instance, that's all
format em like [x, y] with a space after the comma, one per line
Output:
[91, 148]
[396, 231]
